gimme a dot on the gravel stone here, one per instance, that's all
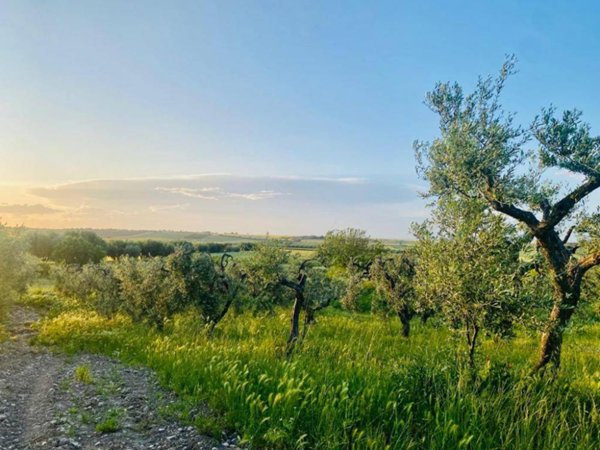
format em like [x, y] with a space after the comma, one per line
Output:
[44, 406]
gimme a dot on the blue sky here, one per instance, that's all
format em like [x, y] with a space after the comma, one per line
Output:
[258, 92]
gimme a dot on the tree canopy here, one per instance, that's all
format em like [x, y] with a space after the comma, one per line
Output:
[482, 154]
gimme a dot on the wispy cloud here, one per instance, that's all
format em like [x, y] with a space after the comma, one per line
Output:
[261, 195]
[216, 193]
[343, 180]
[161, 208]
[189, 192]
[26, 210]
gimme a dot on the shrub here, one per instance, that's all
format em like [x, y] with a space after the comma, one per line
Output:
[83, 374]
[147, 292]
[17, 269]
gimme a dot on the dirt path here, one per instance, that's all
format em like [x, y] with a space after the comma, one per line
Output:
[50, 401]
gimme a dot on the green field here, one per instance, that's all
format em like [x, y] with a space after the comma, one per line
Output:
[354, 382]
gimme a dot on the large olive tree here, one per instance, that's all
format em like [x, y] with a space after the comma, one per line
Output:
[481, 154]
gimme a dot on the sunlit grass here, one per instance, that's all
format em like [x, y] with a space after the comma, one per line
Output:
[355, 382]
[83, 374]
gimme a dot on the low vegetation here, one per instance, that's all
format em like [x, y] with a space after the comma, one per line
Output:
[83, 374]
[17, 269]
[356, 382]
[111, 422]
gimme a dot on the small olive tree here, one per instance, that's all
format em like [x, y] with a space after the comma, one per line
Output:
[393, 277]
[349, 255]
[313, 290]
[321, 291]
[208, 284]
[481, 154]
[93, 285]
[147, 291]
[349, 247]
[264, 269]
[466, 269]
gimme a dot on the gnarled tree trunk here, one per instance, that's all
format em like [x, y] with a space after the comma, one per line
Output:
[298, 288]
[405, 315]
[295, 322]
[229, 288]
[567, 275]
[472, 332]
[567, 293]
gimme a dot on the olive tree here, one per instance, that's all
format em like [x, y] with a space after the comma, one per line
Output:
[94, 285]
[321, 291]
[481, 154]
[194, 277]
[313, 290]
[356, 287]
[349, 247]
[207, 284]
[467, 257]
[264, 269]
[349, 254]
[393, 277]
[231, 284]
[147, 291]
[298, 285]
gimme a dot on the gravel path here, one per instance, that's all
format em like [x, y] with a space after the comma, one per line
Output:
[52, 401]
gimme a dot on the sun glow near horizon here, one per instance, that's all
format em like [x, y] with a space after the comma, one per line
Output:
[302, 116]
[218, 202]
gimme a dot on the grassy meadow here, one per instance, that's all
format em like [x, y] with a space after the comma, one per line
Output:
[354, 382]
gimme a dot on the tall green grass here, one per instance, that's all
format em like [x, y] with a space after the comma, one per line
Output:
[355, 383]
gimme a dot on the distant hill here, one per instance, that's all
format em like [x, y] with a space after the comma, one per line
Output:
[299, 242]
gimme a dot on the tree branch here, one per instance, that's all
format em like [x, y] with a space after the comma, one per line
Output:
[589, 261]
[545, 207]
[289, 283]
[527, 217]
[564, 206]
[225, 261]
[568, 234]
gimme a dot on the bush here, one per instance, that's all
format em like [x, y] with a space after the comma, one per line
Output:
[147, 292]
[94, 285]
[17, 268]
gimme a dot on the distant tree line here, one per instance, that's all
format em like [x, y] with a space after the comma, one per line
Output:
[83, 246]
